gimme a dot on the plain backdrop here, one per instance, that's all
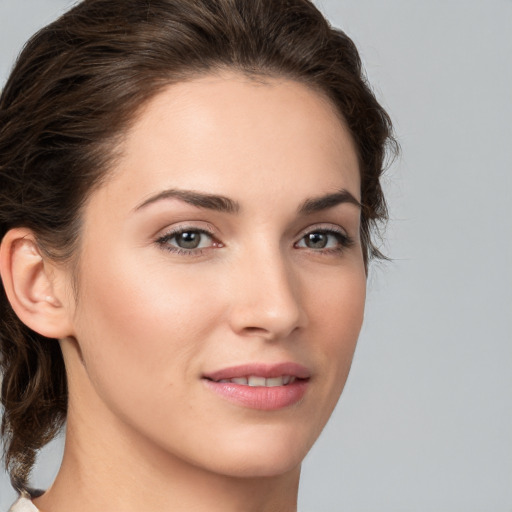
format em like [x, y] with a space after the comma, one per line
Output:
[425, 421]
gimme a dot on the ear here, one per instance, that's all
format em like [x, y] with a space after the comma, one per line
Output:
[31, 285]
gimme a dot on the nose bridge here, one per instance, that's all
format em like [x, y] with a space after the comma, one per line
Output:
[267, 299]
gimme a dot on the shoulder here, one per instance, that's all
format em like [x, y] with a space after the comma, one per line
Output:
[23, 504]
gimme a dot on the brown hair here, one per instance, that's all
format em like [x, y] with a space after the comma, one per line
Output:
[73, 92]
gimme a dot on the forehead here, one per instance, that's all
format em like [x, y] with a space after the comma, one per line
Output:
[230, 134]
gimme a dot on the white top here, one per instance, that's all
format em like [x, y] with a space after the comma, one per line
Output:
[23, 504]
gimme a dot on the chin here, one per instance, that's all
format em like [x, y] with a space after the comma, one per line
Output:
[261, 467]
[266, 454]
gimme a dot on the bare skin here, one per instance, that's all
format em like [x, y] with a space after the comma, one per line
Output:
[277, 276]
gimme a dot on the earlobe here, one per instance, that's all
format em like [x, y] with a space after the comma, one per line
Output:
[29, 283]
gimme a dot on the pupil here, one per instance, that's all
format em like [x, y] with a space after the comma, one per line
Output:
[188, 240]
[316, 240]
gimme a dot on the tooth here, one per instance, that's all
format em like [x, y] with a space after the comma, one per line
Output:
[274, 381]
[286, 380]
[223, 381]
[256, 381]
[292, 380]
[240, 380]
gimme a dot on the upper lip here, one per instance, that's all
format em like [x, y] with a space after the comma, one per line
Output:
[261, 370]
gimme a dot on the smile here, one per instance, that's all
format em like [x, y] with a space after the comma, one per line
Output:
[257, 381]
[260, 386]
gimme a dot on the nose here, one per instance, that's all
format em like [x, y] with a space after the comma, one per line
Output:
[266, 297]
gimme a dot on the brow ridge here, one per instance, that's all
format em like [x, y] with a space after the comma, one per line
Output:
[199, 199]
[226, 205]
[317, 204]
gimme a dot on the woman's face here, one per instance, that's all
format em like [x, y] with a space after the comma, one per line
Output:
[221, 277]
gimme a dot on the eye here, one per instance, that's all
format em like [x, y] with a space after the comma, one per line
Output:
[190, 239]
[327, 240]
[187, 240]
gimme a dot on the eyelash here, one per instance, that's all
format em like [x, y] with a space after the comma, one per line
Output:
[344, 241]
[163, 241]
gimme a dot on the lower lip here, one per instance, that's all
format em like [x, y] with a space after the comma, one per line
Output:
[260, 397]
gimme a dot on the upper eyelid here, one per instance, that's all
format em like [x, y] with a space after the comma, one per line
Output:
[344, 237]
[203, 227]
[163, 239]
[323, 227]
[164, 236]
[208, 229]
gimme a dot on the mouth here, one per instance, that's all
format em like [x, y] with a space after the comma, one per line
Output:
[259, 381]
[260, 386]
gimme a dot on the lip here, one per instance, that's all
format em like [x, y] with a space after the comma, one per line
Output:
[260, 397]
[261, 369]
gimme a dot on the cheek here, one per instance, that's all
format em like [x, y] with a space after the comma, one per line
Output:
[337, 315]
[138, 330]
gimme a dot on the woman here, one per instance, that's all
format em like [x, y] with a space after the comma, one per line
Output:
[188, 191]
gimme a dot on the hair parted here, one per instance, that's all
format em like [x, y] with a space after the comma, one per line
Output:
[71, 96]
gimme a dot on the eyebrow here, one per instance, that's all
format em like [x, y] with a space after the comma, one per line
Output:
[317, 204]
[199, 199]
[226, 205]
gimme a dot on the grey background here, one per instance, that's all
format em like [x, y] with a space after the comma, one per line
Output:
[425, 422]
